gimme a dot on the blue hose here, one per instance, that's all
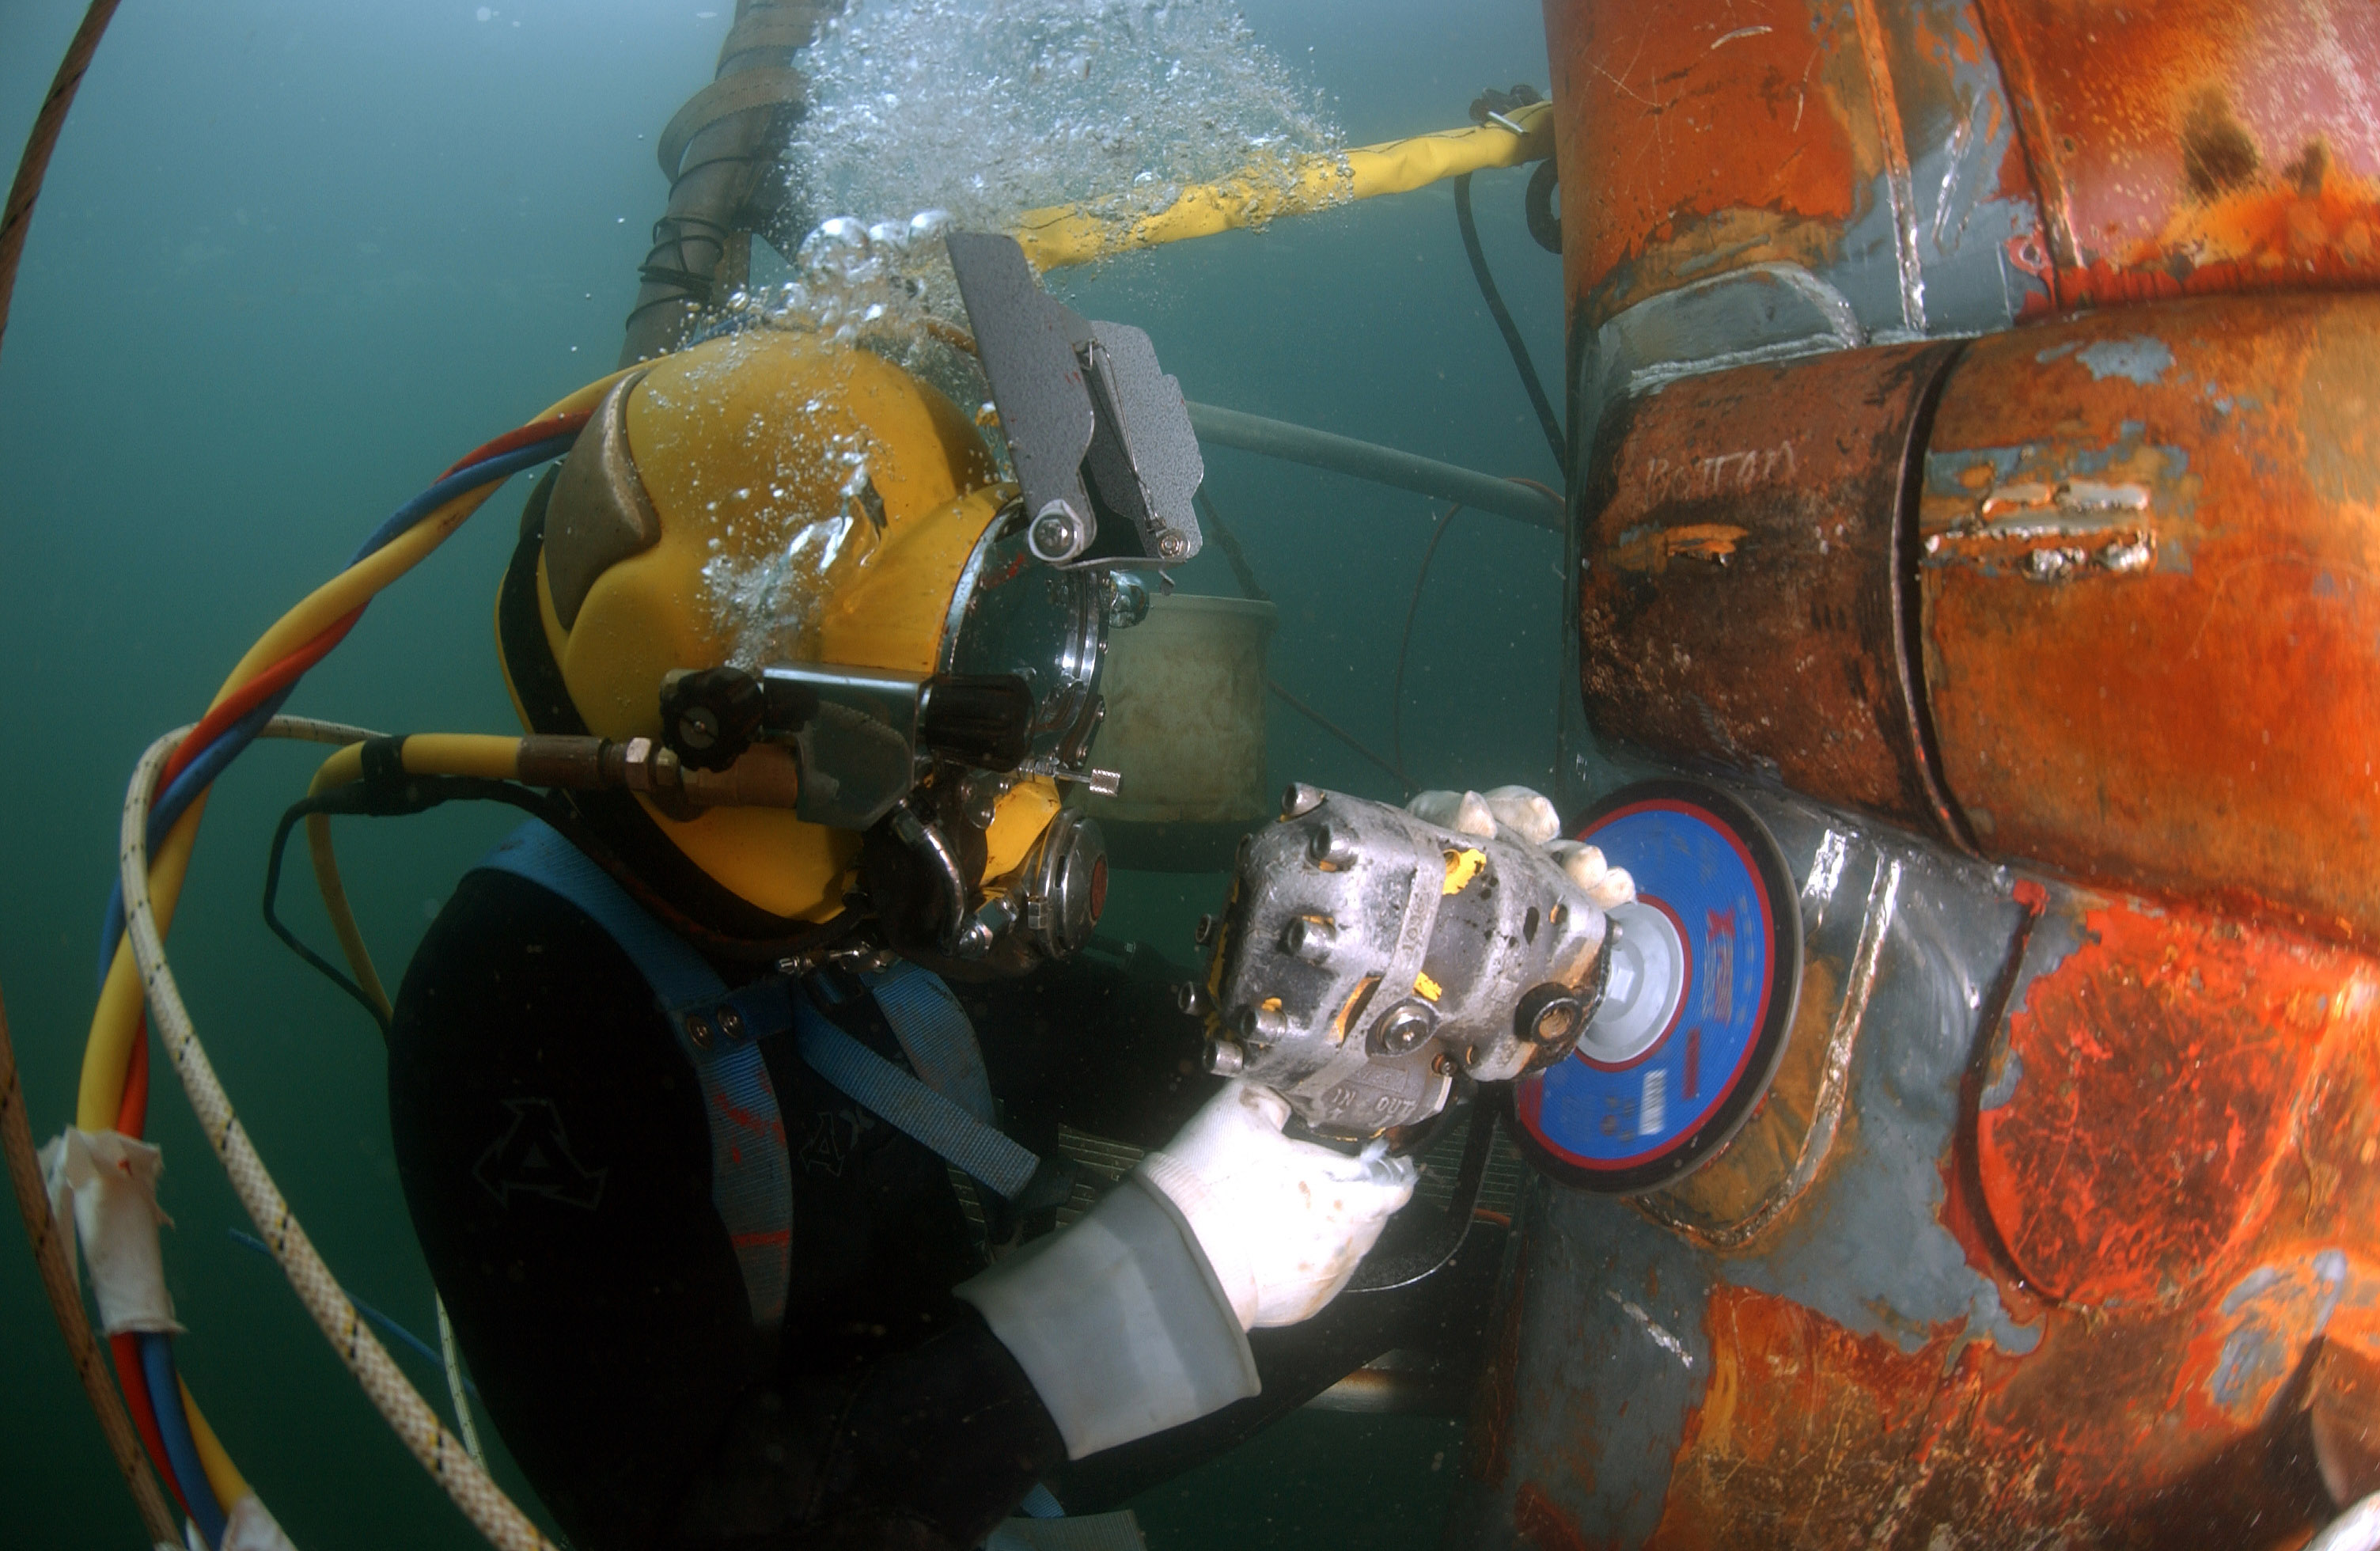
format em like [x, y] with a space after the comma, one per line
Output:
[387, 1326]
[503, 466]
[174, 1430]
[201, 772]
[178, 795]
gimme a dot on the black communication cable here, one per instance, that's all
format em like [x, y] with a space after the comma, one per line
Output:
[1404, 648]
[416, 793]
[1512, 341]
[1241, 572]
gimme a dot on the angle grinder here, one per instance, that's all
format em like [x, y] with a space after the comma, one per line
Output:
[1369, 959]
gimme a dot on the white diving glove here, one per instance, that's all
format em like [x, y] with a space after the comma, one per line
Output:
[1134, 1319]
[1282, 1222]
[1521, 813]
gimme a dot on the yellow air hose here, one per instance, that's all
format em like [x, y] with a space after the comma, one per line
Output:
[108, 1054]
[487, 755]
[1064, 235]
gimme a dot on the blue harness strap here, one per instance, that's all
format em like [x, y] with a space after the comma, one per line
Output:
[909, 1106]
[935, 1035]
[720, 1031]
[751, 1174]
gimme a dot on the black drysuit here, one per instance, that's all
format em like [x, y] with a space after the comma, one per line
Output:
[551, 1144]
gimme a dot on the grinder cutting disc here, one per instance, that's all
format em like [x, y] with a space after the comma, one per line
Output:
[1705, 968]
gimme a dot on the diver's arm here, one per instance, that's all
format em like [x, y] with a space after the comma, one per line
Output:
[930, 1448]
[1133, 1320]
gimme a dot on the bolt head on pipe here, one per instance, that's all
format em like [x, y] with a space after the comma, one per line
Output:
[1260, 1025]
[1403, 1030]
[1225, 1058]
[1309, 939]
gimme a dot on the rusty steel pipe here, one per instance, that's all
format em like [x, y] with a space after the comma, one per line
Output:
[1743, 592]
[2152, 618]
[2050, 657]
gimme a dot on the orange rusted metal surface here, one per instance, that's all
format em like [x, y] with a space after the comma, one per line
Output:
[2161, 1165]
[1741, 598]
[1672, 136]
[2198, 145]
[1869, 145]
[2068, 1226]
[2150, 571]
[2158, 1076]
[1949, 166]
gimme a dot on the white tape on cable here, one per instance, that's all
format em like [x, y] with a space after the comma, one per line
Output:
[250, 1527]
[112, 1181]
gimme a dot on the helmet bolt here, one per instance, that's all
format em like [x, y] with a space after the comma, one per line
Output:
[1057, 535]
[698, 1031]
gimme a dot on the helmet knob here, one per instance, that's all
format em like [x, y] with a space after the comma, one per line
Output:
[709, 717]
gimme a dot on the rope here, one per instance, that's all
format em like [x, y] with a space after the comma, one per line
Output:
[65, 1301]
[50, 1253]
[454, 1388]
[17, 218]
[446, 1458]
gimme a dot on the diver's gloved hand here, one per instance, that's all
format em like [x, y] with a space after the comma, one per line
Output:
[1133, 1320]
[1520, 814]
[1282, 1222]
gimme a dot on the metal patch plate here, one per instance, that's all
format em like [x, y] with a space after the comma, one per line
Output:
[1709, 867]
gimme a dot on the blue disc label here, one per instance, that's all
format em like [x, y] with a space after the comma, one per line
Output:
[1609, 1117]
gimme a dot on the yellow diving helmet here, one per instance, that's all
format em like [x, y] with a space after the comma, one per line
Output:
[772, 536]
[784, 559]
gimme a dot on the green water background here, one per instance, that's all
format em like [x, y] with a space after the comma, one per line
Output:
[295, 257]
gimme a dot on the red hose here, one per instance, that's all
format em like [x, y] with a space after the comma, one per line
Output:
[536, 430]
[132, 1114]
[126, 1349]
[256, 691]
[287, 671]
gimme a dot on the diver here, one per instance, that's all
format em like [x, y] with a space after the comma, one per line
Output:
[678, 1103]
